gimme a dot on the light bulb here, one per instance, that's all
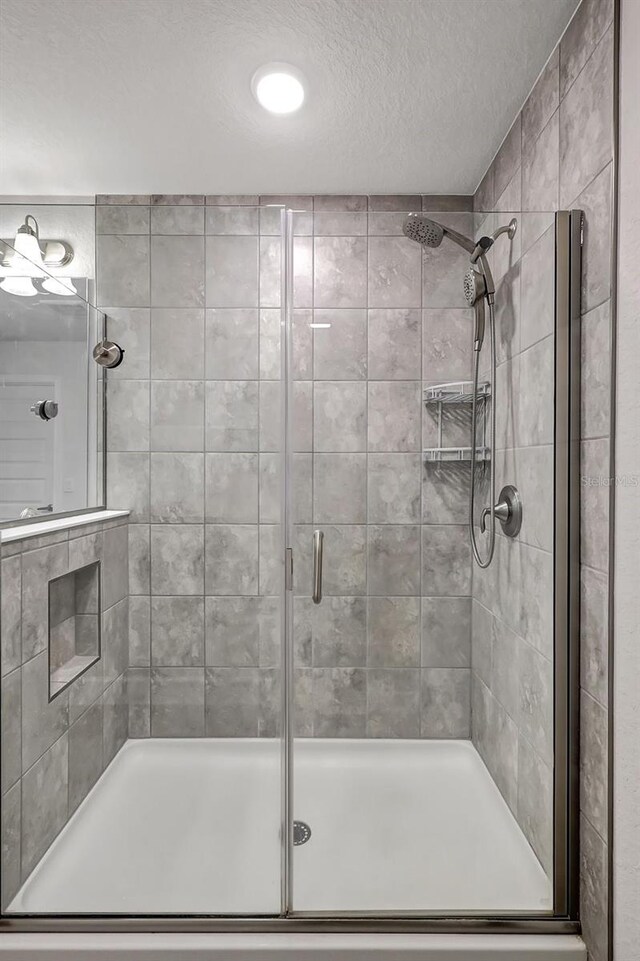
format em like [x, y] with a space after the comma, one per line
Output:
[278, 88]
[20, 286]
[63, 286]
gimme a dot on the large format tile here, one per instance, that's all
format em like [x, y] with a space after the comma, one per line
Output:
[11, 616]
[583, 33]
[535, 803]
[394, 272]
[339, 416]
[540, 170]
[177, 631]
[340, 349]
[394, 344]
[232, 415]
[594, 887]
[394, 412]
[393, 560]
[232, 344]
[130, 327]
[231, 271]
[339, 488]
[177, 271]
[393, 703]
[115, 565]
[232, 488]
[128, 413]
[11, 838]
[340, 702]
[177, 488]
[128, 483]
[594, 763]
[596, 202]
[340, 272]
[594, 633]
[393, 488]
[231, 559]
[339, 632]
[345, 560]
[542, 102]
[177, 343]
[233, 701]
[595, 371]
[123, 268]
[393, 630]
[242, 631]
[115, 641]
[177, 415]
[177, 702]
[44, 803]
[446, 632]
[85, 754]
[446, 345]
[446, 560]
[177, 559]
[38, 568]
[507, 159]
[446, 702]
[177, 219]
[11, 734]
[115, 718]
[586, 123]
[444, 267]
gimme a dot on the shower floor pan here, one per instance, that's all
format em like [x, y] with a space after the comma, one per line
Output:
[192, 826]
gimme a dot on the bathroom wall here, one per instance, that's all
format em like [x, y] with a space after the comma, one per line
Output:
[558, 154]
[191, 287]
[54, 751]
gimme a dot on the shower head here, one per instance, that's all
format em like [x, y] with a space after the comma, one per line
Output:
[474, 286]
[422, 230]
[429, 233]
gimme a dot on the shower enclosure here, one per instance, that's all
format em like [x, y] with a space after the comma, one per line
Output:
[332, 711]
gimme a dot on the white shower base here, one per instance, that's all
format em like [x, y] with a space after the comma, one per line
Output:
[192, 826]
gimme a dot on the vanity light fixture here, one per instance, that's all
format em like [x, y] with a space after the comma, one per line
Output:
[27, 258]
[278, 87]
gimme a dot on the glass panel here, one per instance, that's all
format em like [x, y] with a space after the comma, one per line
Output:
[185, 818]
[50, 389]
[423, 751]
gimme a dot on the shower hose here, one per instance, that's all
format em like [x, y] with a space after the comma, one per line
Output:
[480, 561]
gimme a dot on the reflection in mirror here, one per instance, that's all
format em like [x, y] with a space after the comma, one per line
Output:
[50, 389]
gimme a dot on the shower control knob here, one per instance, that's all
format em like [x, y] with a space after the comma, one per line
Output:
[45, 409]
[107, 354]
[508, 510]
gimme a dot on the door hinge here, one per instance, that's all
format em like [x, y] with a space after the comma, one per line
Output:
[288, 569]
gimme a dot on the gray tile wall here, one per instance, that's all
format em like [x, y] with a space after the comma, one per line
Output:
[558, 154]
[53, 752]
[191, 287]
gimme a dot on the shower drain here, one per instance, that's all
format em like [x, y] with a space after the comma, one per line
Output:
[301, 832]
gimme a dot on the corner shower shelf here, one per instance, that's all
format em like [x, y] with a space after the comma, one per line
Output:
[460, 392]
[454, 454]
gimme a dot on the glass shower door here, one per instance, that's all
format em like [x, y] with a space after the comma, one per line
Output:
[421, 776]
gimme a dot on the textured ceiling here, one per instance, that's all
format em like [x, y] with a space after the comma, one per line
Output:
[153, 96]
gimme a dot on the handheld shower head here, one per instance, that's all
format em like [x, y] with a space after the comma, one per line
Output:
[422, 230]
[429, 233]
[475, 290]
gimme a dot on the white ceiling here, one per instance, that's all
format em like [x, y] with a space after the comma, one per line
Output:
[153, 96]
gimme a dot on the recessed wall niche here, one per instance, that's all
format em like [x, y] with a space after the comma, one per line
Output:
[74, 625]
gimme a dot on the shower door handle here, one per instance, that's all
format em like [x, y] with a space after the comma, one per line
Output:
[318, 544]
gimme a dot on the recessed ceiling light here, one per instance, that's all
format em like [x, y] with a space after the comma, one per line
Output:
[278, 87]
